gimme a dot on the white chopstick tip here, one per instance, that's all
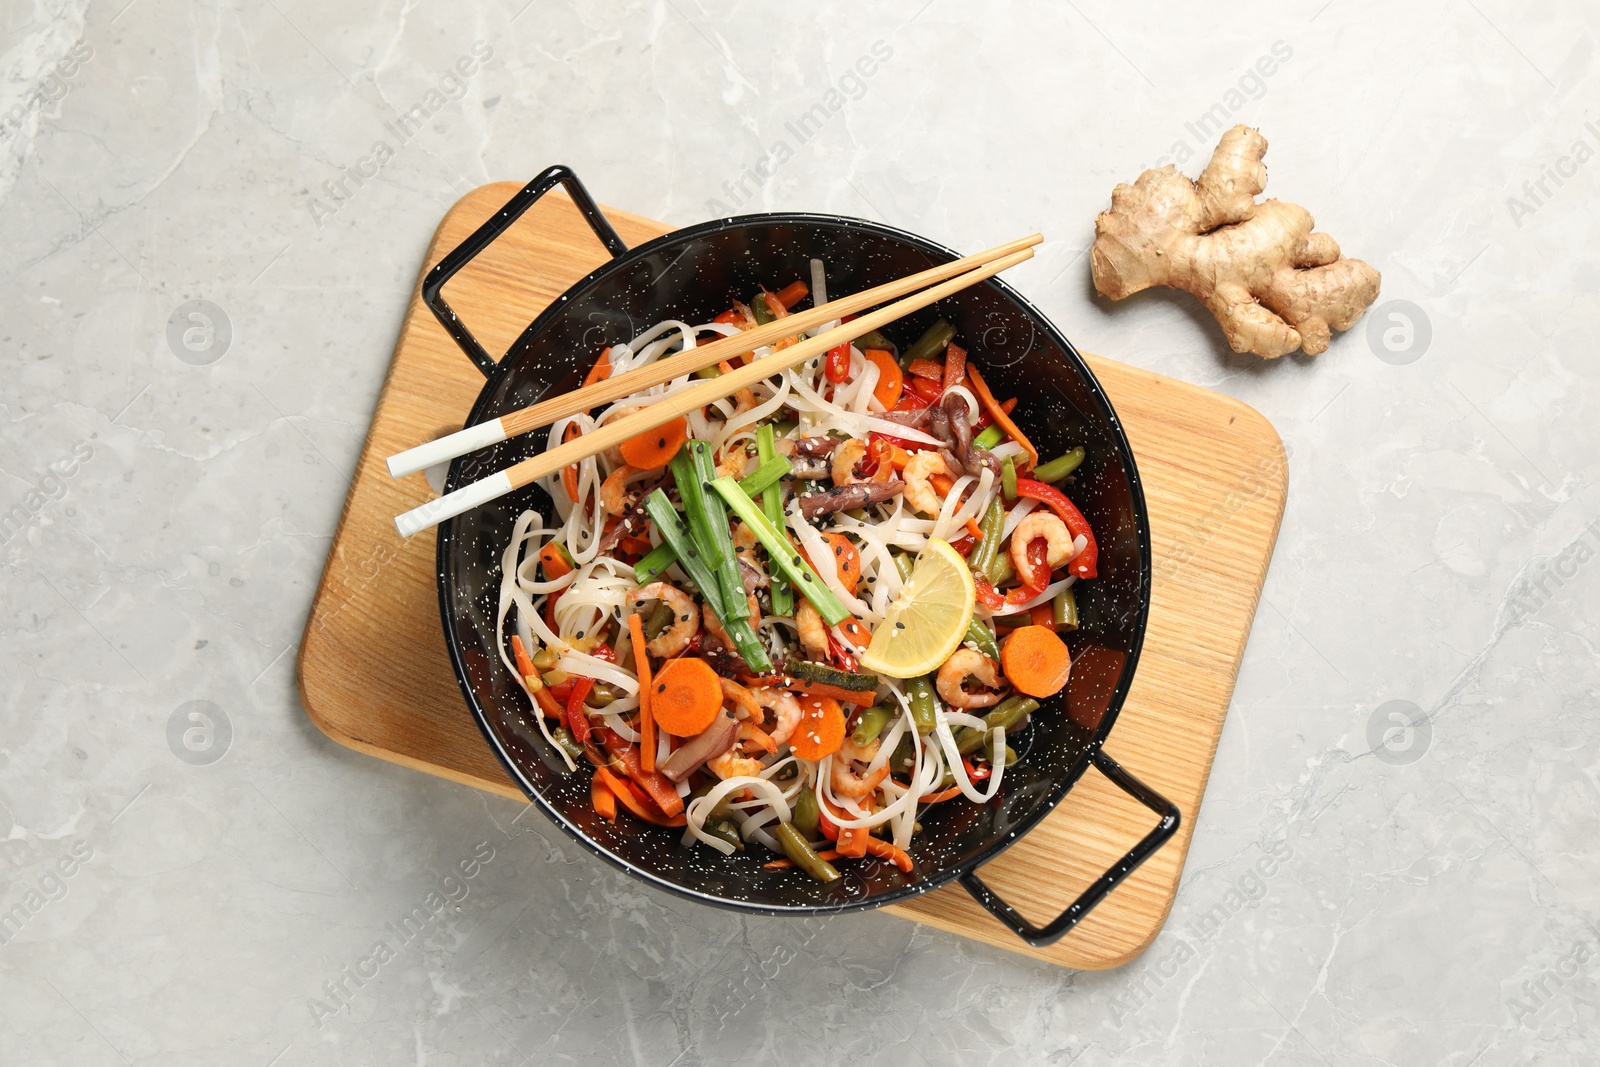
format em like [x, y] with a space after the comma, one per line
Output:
[446, 448]
[452, 504]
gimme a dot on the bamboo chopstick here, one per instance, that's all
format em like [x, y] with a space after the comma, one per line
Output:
[662, 411]
[686, 362]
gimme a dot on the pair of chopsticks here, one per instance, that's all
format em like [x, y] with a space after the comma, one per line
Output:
[940, 282]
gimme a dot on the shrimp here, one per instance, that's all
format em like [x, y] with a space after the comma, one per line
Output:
[919, 493]
[744, 540]
[847, 456]
[855, 786]
[733, 463]
[968, 663]
[785, 709]
[615, 496]
[813, 634]
[714, 624]
[734, 693]
[1058, 540]
[732, 765]
[686, 618]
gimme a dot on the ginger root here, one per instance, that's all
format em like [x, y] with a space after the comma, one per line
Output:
[1272, 284]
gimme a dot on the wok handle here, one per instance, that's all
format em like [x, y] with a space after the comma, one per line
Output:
[485, 235]
[1057, 928]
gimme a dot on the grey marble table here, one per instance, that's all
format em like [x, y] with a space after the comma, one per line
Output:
[211, 216]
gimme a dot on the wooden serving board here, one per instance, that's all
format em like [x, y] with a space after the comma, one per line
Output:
[1215, 476]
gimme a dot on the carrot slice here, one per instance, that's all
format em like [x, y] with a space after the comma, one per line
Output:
[1000, 416]
[647, 721]
[1035, 660]
[891, 380]
[686, 696]
[603, 799]
[601, 369]
[653, 448]
[821, 729]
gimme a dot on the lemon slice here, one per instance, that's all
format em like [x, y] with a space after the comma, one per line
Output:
[928, 620]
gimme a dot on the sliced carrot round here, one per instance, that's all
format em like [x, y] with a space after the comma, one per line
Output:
[654, 448]
[821, 729]
[685, 697]
[1035, 660]
[891, 382]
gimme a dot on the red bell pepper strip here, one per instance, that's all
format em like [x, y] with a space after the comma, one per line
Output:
[1038, 558]
[1083, 564]
[837, 368]
[577, 721]
[926, 388]
[657, 785]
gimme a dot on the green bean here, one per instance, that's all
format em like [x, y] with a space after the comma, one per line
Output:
[978, 633]
[903, 756]
[802, 855]
[567, 742]
[989, 436]
[772, 507]
[727, 832]
[1001, 569]
[1064, 609]
[919, 694]
[658, 620]
[770, 473]
[1008, 479]
[930, 344]
[759, 308]
[874, 339]
[807, 815]
[904, 564]
[1011, 756]
[992, 525]
[869, 726]
[1005, 715]
[1057, 469]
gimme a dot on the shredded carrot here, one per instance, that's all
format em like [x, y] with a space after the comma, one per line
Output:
[1035, 660]
[658, 787]
[974, 529]
[569, 475]
[941, 795]
[789, 295]
[603, 799]
[926, 368]
[641, 666]
[652, 449]
[891, 852]
[942, 483]
[601, 369]
[955, 365]
[853, 841]
[530, 677]
[821, 729]
[686, 697]
[785, 863]
[891, 381]
[554, 559]
[635, 801]
[846, 559]
[999, 415]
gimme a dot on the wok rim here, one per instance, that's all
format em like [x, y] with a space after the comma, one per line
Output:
[928, 879]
